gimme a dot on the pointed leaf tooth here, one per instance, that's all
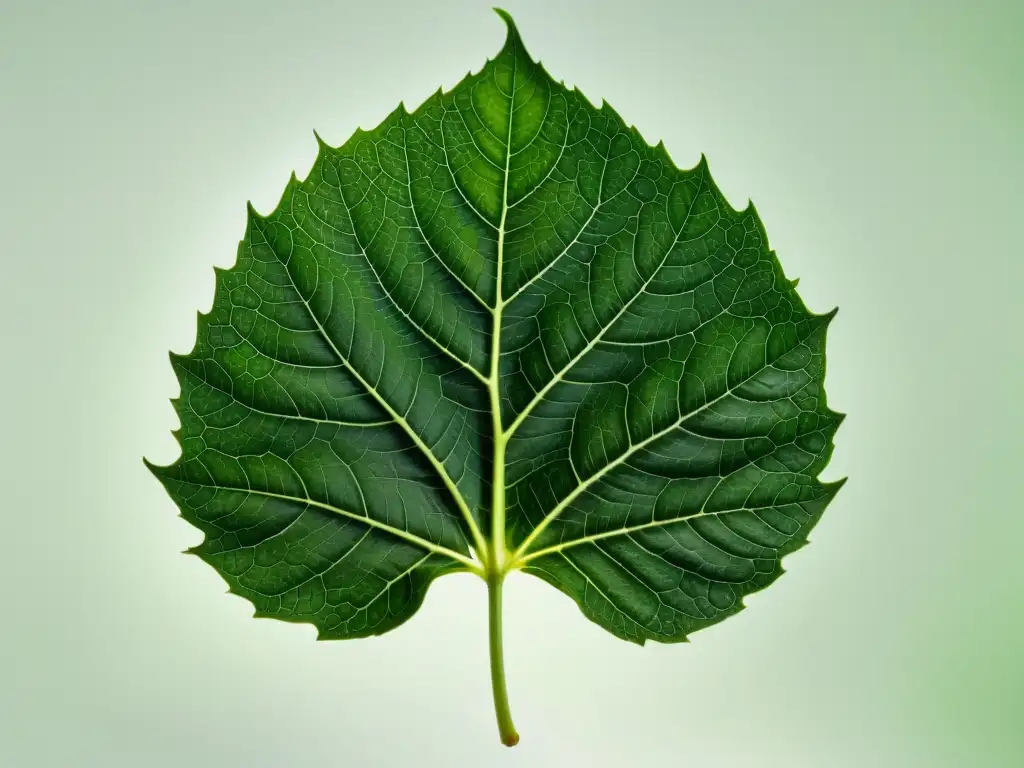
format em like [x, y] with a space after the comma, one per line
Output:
[661, 151]
[834, 486]
[717, 192]
[156, 469]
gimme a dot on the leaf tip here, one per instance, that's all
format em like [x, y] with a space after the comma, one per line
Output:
[505, 16]
[512, 34]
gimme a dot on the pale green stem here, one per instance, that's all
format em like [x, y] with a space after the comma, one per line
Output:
[507, 730]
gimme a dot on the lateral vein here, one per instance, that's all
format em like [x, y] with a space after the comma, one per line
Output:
[412, 538]
[453, 489]
[408, 317]
[621, 459]
[558, 377]
[625, 531]
[426, 240]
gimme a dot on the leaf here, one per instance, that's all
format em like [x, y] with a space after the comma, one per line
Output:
[644, 433]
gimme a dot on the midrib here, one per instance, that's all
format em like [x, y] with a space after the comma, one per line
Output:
[496, 561]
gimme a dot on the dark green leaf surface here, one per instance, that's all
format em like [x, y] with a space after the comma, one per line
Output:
[662, 419]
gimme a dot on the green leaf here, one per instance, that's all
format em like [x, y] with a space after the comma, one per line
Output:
[644, 431]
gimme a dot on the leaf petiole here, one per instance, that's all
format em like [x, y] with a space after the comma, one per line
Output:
[506, 728]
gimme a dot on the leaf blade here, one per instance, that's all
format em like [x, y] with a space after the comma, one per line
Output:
[503, 331]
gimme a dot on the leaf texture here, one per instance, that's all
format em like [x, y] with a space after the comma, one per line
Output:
[662, 419]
